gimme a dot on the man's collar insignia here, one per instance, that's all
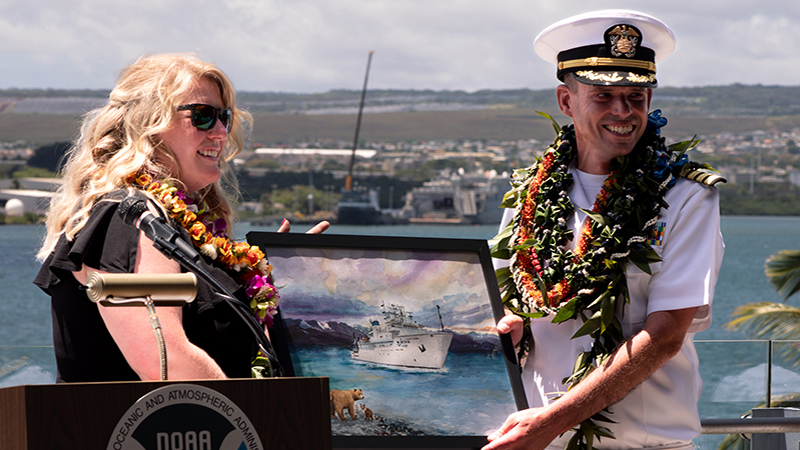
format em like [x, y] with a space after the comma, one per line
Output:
[623, 40]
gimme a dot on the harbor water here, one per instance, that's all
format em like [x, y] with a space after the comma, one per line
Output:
[734, 370]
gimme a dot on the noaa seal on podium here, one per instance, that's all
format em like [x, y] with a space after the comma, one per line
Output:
[184, 417]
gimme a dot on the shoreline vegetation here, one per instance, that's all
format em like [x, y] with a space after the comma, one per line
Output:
[743, 128]
[731, 204]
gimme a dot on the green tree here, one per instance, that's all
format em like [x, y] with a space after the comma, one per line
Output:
[791, 147]
[33, 172]
[332, 164]
[263, 163]
[295, 200]
[50, 157]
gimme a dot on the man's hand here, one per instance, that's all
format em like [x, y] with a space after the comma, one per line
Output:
[317, 229]
[522, 430]
[511, 324]
[632, 363]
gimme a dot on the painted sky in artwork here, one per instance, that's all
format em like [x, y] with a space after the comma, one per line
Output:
[350, 285]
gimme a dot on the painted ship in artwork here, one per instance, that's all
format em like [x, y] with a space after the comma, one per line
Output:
[397, 340]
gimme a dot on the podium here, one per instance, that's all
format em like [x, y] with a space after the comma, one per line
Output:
[285, 413]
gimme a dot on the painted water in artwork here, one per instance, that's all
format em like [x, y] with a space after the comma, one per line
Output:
[407, 339]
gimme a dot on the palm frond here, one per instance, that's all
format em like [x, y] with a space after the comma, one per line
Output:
[783, 271]
[767, 320]
[775, 321]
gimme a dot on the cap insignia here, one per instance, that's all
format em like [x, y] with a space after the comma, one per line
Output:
[623, 40]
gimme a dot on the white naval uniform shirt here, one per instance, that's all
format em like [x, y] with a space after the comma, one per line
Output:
[662, 412]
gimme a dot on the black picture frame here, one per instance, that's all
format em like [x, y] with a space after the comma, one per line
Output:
[325, 277]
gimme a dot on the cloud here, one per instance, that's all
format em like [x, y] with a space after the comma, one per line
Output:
[315, 46]
[364, 280]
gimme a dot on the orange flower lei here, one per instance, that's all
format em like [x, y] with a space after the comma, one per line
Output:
[529, 269]
[544, 276]
[247, 263]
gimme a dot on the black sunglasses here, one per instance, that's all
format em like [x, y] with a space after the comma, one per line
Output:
[204, 117]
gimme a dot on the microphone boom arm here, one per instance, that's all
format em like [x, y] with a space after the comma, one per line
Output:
[134, 211]
[240, 308]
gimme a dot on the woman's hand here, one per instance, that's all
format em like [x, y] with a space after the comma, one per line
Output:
[513, 325]
[317, 229]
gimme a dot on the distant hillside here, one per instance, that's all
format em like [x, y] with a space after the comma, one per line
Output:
[497, 124]
[758, 99]
[761, 100]
[48, 115]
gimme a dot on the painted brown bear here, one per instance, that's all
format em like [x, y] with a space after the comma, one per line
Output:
[344, 399]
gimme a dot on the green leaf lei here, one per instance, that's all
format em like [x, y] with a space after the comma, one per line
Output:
[587, 283]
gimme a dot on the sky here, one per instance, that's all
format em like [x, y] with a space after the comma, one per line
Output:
[340, 285]
[310, 46]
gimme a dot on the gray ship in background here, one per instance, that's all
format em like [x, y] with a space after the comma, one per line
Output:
[359, 208]
[458, 198]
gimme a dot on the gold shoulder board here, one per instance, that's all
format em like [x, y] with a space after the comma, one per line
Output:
[703, 176]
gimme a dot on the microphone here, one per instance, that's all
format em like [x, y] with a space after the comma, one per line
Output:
[164, 289]
[134, 211]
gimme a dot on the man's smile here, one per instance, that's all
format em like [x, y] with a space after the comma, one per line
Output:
[618, 129]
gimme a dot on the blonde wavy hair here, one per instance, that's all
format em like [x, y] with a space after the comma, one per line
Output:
[121, 138]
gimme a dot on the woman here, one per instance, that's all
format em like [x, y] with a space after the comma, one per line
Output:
[167, 134]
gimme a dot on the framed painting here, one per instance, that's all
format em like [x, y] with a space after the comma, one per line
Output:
[405, 330]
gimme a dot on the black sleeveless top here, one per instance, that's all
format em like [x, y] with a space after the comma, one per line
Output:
[85, 351]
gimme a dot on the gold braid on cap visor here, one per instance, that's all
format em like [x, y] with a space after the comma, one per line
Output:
[616, 77]
[618, 62]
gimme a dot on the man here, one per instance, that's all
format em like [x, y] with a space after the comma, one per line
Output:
[623, 291]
